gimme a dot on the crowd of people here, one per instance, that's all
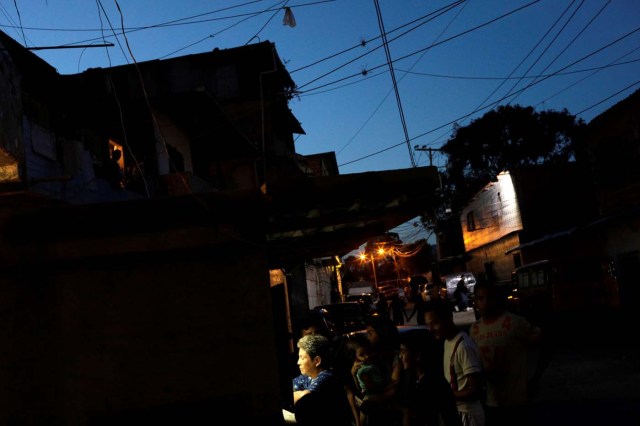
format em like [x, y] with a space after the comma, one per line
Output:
[439, 375]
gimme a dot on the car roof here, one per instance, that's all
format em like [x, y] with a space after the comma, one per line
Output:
[457, 275]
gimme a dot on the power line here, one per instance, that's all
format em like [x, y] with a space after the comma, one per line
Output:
[401, 78]
[595, 71]
[522, 61]
[499, 100]
[426, 48]
[175, 22]
[268, 20]
[609, 97]
[20, 21]
[545, 51]
[584, 28]
[385, 43]
[468, 77]
[437, 13]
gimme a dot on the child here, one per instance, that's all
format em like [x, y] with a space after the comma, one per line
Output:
[367, 375]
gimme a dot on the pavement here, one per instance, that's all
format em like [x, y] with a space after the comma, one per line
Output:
[594, 374]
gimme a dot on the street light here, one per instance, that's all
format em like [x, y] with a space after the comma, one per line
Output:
[363, 257]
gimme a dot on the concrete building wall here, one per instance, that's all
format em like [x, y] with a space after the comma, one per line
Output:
[318, 285]
[494, 254]
[493, 213]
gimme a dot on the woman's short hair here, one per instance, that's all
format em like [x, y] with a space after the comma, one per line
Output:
[316, 345]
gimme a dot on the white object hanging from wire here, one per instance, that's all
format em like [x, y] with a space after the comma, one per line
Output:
[289, 18]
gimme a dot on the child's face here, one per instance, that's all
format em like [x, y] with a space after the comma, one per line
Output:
[362, 355]
[407, 357]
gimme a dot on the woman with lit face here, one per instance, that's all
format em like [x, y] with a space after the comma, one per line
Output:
[322, 400]
[312, 348]
[309, 359]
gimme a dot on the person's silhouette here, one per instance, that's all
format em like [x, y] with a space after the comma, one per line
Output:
[114, 172]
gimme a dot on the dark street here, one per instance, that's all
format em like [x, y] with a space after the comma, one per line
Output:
[593, 376]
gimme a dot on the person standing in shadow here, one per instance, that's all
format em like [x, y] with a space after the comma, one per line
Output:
[114, 174]
[505, 341]
[462, 365]
[416, 284]
[425, 398]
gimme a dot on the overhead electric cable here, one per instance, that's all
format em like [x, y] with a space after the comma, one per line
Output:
[493, 92]
[117, 98]
[545, 51]
[609, 97]
[175, 22]
[168, 23]
[24, 38]
[468, 77]
[425, 48]
[113, 30]
[499, 100]
[394, 82]
[216, 33]
[401, 78]
[15, 27]
[378, 47]
[365, 42]
[572, 40]
[595, 71]
[268, 20]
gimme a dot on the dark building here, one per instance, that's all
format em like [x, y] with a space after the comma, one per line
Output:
[152, 299]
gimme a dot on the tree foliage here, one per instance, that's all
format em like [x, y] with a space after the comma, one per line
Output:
[502, 139]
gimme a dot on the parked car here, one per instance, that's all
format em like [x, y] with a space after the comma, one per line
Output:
[365, 291]
[389, 290]
[431, 290]
[342, 319]
[359, 288]
[365, 298]
[451, 283]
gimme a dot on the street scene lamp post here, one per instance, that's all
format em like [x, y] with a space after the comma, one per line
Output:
[363, 257]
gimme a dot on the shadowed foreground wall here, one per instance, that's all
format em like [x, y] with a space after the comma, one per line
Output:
[179, 338]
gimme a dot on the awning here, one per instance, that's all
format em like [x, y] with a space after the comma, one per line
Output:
[294, 221]
[542, 240]
[324, 216]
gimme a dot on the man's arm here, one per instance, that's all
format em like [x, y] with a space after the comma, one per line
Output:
[299, 394]
[473, 389]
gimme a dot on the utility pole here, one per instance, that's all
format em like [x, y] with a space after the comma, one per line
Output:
[429, 149]
[375, 277]
[363, 257]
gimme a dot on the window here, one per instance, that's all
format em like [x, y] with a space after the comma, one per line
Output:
[517, 260]
[471, 223]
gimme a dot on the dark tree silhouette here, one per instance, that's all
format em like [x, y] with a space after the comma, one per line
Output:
[504, 138]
